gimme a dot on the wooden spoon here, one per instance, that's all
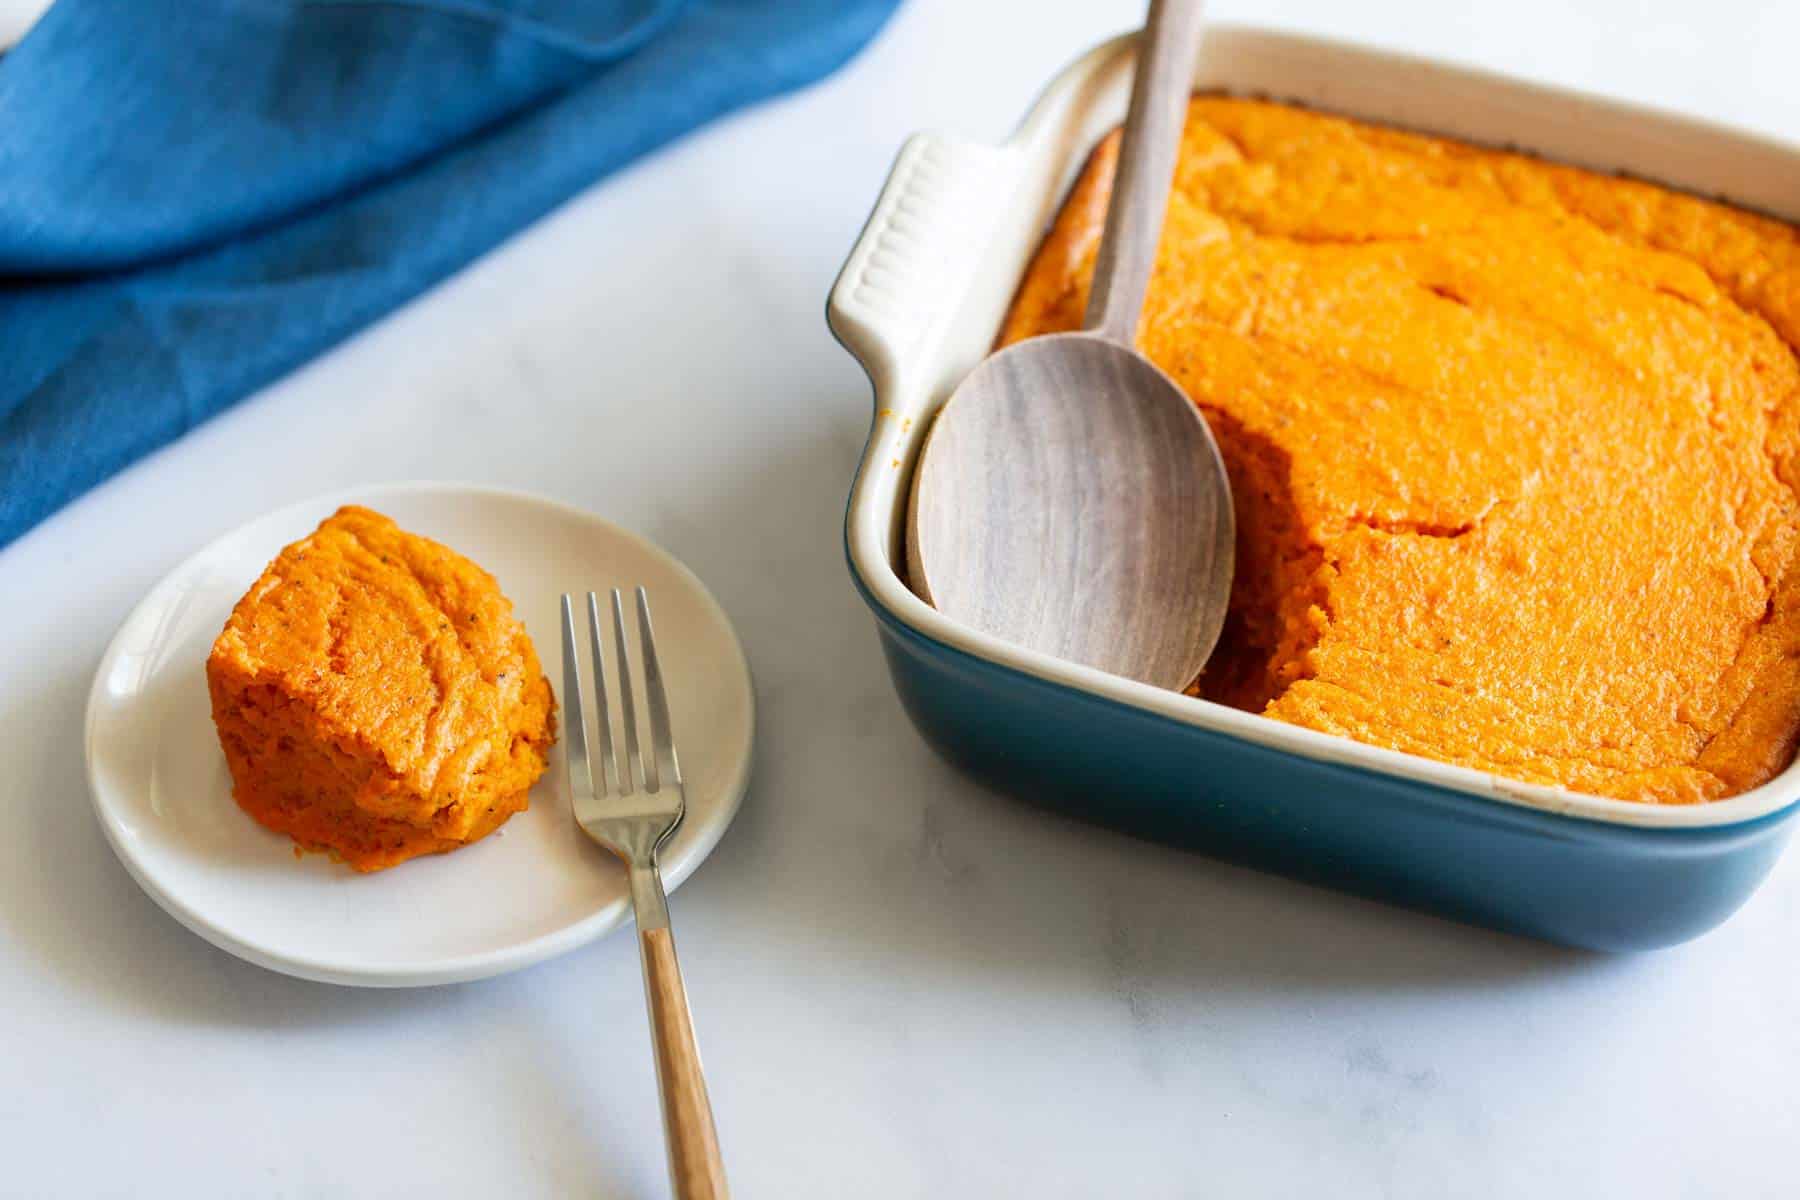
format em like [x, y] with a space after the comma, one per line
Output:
[1070, 497]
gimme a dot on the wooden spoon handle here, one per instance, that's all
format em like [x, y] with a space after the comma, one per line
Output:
[695, 1168]
[1140, 194]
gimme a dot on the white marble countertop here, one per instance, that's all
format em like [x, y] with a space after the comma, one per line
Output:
[905, 986]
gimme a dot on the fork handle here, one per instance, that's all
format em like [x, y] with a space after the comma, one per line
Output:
[695, 1168]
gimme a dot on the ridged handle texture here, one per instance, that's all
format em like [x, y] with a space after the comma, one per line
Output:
[935, 215]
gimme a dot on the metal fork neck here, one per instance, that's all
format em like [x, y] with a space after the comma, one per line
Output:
[647, 897]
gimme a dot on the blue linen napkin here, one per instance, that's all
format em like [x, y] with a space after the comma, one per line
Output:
[198, 195]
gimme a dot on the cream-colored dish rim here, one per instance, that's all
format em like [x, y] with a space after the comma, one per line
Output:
[923, 292]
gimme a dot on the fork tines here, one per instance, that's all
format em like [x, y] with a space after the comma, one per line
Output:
[636, 772]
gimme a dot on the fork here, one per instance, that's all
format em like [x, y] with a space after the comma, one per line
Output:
[631, 807]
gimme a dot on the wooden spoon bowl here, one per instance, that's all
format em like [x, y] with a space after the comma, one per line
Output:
[1070, 499]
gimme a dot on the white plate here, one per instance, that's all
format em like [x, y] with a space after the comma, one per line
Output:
[536, 888]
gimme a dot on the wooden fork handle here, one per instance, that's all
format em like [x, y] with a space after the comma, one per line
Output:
[694, 1164]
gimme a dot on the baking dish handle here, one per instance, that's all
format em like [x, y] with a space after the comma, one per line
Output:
[905, 279]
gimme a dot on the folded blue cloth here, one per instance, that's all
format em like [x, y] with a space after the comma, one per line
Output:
[198, 195]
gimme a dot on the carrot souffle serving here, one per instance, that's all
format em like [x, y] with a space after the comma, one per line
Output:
[1514, 446]
[377, 698]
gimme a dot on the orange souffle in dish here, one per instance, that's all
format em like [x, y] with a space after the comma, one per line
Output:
[1514, 446]
[377, 698]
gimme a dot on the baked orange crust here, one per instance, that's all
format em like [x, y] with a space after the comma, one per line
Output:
[1514, 446]
[376, 697]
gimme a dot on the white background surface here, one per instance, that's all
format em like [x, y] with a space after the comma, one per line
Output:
[905, 986]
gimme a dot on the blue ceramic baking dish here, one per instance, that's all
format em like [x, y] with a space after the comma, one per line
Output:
[920, 301]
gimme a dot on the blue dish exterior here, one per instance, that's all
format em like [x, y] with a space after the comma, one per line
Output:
[1592, 884]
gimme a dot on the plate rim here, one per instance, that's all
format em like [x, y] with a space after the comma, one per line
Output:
[459, 968]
